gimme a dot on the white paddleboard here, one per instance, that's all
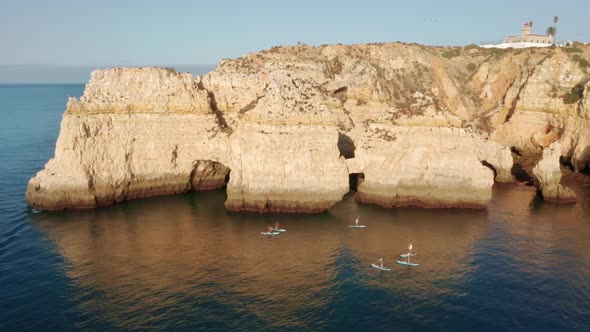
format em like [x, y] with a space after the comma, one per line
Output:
[406, 255]
[355, 226]
[279, 230]
[378, 267]
[270, 234]
[407, 264]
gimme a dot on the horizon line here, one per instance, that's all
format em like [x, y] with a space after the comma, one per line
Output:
[104, 65]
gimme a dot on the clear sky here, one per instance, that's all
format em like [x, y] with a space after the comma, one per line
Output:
[129, 32]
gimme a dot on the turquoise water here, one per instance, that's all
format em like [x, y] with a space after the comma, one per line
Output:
[184, 263]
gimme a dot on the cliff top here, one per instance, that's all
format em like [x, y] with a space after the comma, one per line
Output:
[404, 84]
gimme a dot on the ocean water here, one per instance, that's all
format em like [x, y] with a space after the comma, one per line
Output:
[184, 263]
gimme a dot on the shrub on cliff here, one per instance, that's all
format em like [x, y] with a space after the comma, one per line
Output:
[471, 66]
[573, 50]
[450, 54]
[581, 61]
[571, 98]
[497, 52]
[471, 46]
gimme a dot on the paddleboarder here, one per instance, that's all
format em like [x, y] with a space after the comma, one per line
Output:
[410, 247]
[356, 222]
[276, 225]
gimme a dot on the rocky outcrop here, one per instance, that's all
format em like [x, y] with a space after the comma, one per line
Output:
[429, 167]
[284, 128]
[285, 169]
[112, 149]
[106, 158]
[548, 173]
[540, 114]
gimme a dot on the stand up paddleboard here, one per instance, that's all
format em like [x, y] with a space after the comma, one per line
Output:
[406, 255]
[279, 230]
[355, 226]
[380, 268]
[407, 264]
[269, 233]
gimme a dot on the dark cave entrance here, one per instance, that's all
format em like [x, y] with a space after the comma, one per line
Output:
[521, 174]
[209, 175]
[522, 166]
[346, 146]
[354, 180]
[227, 179]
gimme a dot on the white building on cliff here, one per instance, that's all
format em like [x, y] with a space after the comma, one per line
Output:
[526, 39]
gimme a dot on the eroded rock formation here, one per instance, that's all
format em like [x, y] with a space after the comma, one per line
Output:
[288, 125]
[427, 166]
[548, 173]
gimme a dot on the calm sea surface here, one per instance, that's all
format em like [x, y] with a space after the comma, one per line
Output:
[184, 263]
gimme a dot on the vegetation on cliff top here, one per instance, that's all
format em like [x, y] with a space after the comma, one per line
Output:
[451, 54]
[581, 61]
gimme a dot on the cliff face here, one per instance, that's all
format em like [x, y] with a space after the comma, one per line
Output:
[115, 146]
[168, 136]
[548, 174]
[288, 125]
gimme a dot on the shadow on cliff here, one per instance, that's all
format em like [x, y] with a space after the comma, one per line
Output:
[584, 165]
[346, 146]
[522, 167]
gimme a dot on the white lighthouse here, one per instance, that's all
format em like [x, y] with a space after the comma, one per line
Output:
[526, 30]
[526, 39]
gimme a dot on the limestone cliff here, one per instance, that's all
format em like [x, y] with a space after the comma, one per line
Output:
[548, 173]
[426, 126]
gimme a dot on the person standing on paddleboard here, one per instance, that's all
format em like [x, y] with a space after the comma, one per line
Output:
[276, 225]
[356, 222]
[381, 262]
[410, 247]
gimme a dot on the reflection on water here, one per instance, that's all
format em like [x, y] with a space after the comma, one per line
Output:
[178, 252]
[184, 261]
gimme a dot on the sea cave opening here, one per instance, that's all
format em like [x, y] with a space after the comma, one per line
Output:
[520, 165]
[521, 174]
[354, 180]
[209, 175]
